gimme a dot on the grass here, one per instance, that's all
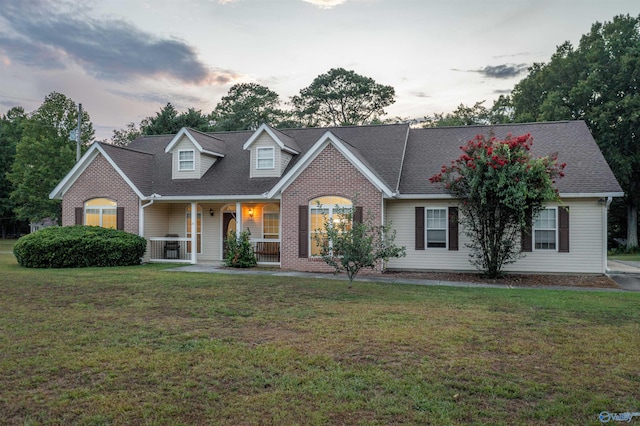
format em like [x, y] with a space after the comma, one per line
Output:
[629, 257]
[141, 345]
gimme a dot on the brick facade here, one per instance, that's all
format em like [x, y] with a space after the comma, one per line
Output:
[330, 173]
[100, 180]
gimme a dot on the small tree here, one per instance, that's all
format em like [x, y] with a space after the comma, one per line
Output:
[500, 187]
[240, 251]
[349, 245]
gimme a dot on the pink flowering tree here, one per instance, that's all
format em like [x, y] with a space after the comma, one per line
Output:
[500, 186]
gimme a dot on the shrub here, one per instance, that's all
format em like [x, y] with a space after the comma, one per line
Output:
[240, 251]
[79, 246]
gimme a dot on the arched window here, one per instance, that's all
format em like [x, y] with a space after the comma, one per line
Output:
[320, 208]
[101, 212]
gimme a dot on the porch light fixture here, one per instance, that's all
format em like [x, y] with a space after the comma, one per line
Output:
[211, 212]
[251, 213]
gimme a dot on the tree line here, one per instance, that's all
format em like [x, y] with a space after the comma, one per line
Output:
[596, 81]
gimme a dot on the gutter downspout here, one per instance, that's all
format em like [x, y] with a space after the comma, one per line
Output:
[605, 232]
[141, 221]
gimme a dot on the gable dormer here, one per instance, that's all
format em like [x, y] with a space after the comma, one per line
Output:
[193, 153]
[271, 151]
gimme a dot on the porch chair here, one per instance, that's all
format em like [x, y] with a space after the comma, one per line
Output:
[172, 248]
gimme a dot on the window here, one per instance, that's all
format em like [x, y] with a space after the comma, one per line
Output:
[319, 209]
[186, 160]
[545, 229]
[101, 212]
[270, 222]
[265, 158]
[198, 229]
[436, 226]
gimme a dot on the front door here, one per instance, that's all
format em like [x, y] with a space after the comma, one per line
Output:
[228, 228]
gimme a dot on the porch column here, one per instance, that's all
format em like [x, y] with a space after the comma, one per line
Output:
[194, 233]
[238, 218]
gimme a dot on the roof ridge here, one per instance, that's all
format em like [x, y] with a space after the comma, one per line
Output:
[127, 148]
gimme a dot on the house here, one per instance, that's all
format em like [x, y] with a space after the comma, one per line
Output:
[277, 184]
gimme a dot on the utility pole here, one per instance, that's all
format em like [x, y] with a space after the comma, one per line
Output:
[78, 132]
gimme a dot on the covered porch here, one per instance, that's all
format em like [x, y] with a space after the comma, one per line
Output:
[173, 237]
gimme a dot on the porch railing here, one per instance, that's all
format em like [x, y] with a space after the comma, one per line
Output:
[266, 250]
[169, 249]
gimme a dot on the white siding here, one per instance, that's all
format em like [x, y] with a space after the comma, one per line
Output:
[585, 242]
[285, 158]
[185, 144]
[156, 221]
[265, 141]
[206, 161]
[402, 216]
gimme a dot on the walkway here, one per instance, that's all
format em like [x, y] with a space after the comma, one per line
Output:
[625, 274]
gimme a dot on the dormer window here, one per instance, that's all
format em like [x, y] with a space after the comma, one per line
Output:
[265, 158]
[187, 160]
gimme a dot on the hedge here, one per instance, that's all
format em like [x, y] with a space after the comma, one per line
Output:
[79, 246]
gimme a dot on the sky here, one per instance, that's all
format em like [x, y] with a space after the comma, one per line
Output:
[125, 59]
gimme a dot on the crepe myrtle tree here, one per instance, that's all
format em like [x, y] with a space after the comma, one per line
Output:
[348, 242]
[501, 186]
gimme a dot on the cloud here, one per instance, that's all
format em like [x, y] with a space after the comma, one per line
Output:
[325, 4]
[177, 99]
[43, 34]
[503, 71]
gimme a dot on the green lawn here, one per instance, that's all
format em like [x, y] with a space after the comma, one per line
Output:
[629, 257]
[140, 345]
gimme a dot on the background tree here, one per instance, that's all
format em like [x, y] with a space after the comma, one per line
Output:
[124, 137]
[246, 106]
[476, 115]
[168, 121]
[350, 245]
[11, 125]
[44, 155]
[341, 98]
[598, 82]
[499, 186]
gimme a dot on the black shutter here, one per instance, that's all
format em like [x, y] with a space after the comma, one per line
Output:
[419, 228]
[526, 237]
[120, 218]
[453, 228]
[303, 231]
[563, 229]
[79, 215]
[358, 215]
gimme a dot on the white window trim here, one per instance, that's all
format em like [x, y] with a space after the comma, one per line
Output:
[271, 157]
[263, 222]
[556, 230]
[101, 209]
[331, 209]
[446, 228]
[192, 161]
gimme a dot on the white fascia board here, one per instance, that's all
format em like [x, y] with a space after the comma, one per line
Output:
[590, 195]
[423, 197]
[81, 166]
[315, 150]
[264, 128]
[202, 198]
[215, 154]
[183, 132]
[562, 195]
